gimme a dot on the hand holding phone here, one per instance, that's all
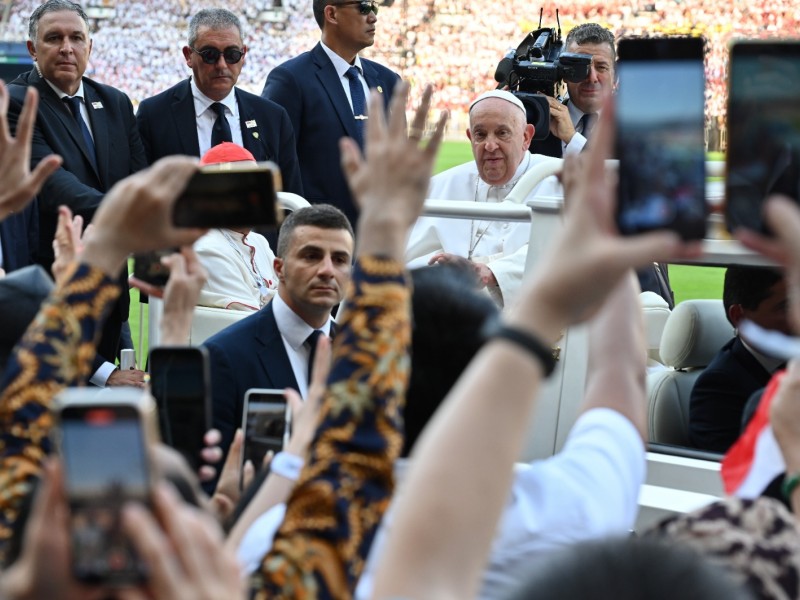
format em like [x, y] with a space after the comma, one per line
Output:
[230, 195]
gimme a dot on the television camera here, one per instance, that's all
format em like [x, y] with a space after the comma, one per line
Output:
[535, 69]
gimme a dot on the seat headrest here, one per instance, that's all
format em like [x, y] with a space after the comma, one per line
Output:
[694, 333]
[656, 312]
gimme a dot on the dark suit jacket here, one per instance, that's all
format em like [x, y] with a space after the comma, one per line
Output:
[308, 87]
[77, 183]
[247, 354]
[19, 238]
[720, 394]
[168, 125]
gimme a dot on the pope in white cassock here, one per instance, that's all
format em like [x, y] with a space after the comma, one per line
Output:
[496, 250]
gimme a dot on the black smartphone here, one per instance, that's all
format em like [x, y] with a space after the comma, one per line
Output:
[148, 267]
[266, 424]
[103, 440]
[660, 139]
[230, 195]
[763, 155]
[180, 381]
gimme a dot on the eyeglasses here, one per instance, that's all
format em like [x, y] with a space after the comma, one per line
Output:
[210, 56]
[364, 6]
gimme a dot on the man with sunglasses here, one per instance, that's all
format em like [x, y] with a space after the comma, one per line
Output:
[207, 109]
[325, 90]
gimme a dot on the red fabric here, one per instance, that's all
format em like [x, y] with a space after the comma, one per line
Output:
[742, 458]
[226, 152]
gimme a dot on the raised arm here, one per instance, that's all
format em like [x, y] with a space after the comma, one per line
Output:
[347, 481]
[59, 346]
[442, 528]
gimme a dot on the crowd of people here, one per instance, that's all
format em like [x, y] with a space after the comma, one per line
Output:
[455, 45]
[409, 409]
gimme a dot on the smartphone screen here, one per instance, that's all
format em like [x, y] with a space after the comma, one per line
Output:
[763, 155]
[180, 383]
[149, 268]
[229, 196]
[104, 452]
[660, 136]
[266, 424]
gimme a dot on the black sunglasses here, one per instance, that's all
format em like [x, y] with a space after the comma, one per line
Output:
[210, 56]
[364, 6]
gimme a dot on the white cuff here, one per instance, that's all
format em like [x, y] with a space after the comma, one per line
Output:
[100, 377]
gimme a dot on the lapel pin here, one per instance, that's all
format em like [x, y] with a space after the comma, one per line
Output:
[97, 105]
[255, 134]
[250, 124]
[380, 90]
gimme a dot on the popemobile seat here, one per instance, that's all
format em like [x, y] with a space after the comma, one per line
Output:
[693, 334]
[655, 311]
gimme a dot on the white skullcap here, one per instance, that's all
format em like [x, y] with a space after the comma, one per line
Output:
[503, 95]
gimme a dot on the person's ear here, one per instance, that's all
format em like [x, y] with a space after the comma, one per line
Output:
[528, 135]
[735, 314]
[31, 49]
[187, 56]
[277, 266]
[329, 14]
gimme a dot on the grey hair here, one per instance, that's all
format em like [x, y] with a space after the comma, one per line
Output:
[49, 7]
[213, 18]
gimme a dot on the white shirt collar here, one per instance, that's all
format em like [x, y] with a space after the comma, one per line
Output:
[340, 64]
[61, 94]
[576, 113]
[293, 328]
[202, 102]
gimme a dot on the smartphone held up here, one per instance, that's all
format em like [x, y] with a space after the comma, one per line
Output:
[660, 139]
[763, 155]
[238, 194]
[103, 438]
[266, 424]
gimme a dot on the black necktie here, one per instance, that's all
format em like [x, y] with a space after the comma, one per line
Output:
[311, 341]
[359, 102]
[221, 132]
[585, 124]
[74, 104]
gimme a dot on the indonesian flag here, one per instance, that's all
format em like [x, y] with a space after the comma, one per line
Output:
[755, 459]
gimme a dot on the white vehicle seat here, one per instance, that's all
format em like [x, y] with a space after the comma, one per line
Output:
[694, 333]
[656, 312]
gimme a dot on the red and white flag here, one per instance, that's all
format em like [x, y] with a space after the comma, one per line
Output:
[755, 459]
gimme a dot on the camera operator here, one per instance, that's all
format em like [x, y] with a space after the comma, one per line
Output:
[571, 122]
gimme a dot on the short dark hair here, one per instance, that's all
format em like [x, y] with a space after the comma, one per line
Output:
[448, 314]
[323, 216]
[627, 569]
[318, 7]
[591, 33]
[748, 286]
[49, 7]
[213, 18]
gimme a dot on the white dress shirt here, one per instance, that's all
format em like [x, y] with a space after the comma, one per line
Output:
[206, 116]
[341, 66]
[295, 332]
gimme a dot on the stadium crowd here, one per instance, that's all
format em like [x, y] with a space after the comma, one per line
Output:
[454, 44]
